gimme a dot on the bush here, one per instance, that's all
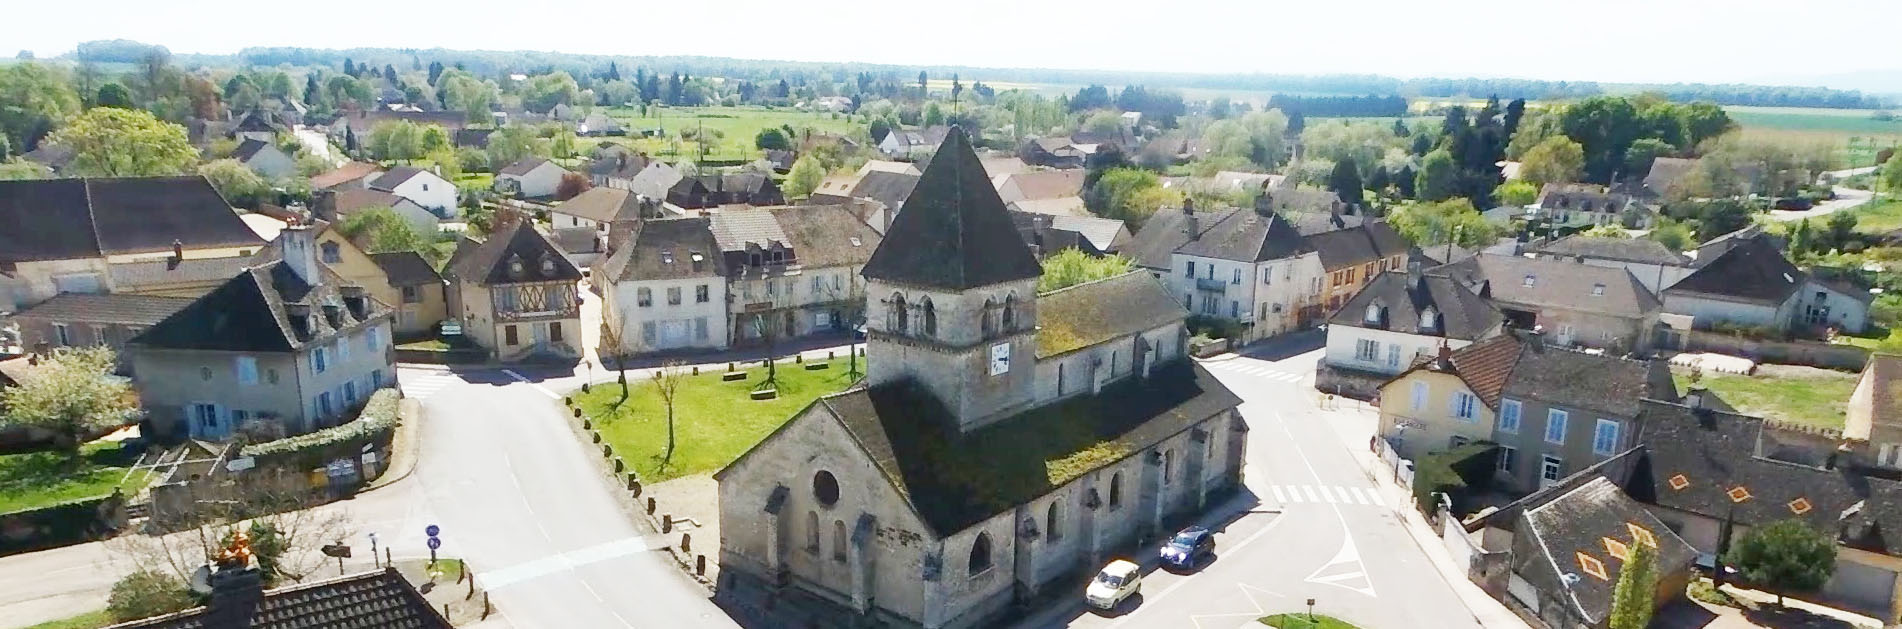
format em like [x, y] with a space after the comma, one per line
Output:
[375, 424]
[148, 593]
[1453, 472]
[1214, 327]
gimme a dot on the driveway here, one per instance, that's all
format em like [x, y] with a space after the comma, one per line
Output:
[1846, 198]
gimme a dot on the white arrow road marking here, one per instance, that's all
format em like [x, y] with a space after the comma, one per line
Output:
[1352, 574]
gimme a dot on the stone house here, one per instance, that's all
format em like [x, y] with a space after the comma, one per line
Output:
[1001, 442]
[1248, 267]
[1575, 304]
[1352, 250]
[1586, 204]
[517, 294]
[288, 342]
[264, 158]
[708, 191]
[529, 178]
[792, 271]
[1744, 280]
[900, 143]
[664, 289]
[1401, 317]
[887, 188]
[613, 165]
[1040, 185]
[176, 277]
[413, 289]
[1655, 266]
[1872, 427]
[64, 235]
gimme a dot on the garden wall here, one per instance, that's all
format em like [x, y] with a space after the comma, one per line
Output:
[1811, 353]
[66, 523]
[442, 356]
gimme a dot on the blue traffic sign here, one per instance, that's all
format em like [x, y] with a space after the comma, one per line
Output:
[435, 543]
[432, 530]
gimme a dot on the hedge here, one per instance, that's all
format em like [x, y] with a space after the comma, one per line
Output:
[69, 522]
[375, 424]
[1453, 472]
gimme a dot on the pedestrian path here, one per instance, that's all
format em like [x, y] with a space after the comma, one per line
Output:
[420, 385]
[1253, 368]
[1335, 494]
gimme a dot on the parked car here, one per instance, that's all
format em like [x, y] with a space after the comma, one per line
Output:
[1117, 582]
[1796, 204]
[1188, 547]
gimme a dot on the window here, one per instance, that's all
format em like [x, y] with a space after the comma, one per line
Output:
[1188, 302]
[1367, 350]
[1393, 355]
[897, 319]
[247, 370]
[1555, 426]
[349, 393]
[1209, 304]
[204, 373]
[643, 297]
[373, 339]
[700, 294]
[1188, 270]
[1550, 468]
[1373, 314]
[411, 295]
[1268, 275]
[554, 331]
[343, 351]
[1050, 523]
[1598, 290]
[318, 361]
[323, 404]
[1508, 457]
[818, 284]
[62, 334]
[812, 532]
[1010, 313]
[1116, 490]
[825, 488]
[1234, 309]
[1605, 437]
[673, 295]
[1429, 319]
[931, 316]
[508, 335]
[648, 333]
[331, 253]
[700, 328]
[270, 375]
[1419, 395]
[1465, 406]
[1890, 455]
[980, 553]
[1168, 465]
[1238, 277]
[772, 288]
[1509, 415]
[1529, 280]
[838, 540]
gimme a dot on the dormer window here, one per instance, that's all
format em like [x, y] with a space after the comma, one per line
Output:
[515, 267]
[666, 257]
[1598, 290]
[1429, 319]
[1373, 314]
[1530, 281]
[753, 259]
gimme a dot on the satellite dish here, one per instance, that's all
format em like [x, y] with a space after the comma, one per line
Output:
[201, 579]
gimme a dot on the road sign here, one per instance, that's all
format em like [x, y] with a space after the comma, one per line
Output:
[432, 530]
[435, 543]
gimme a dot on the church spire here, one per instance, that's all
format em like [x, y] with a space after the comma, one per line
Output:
[954, 233]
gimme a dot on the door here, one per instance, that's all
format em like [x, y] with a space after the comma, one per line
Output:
[1566, 332]
[540, 332]
[675, 334]
[206, 422]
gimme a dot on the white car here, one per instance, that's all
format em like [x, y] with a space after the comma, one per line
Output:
[1118, 580]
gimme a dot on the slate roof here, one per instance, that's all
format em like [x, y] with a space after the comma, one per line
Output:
[64, 219]
[515, 240]
[522, 166]
[348, 172]
[250, 313]
[602, 205]
[395, 176]
[1355, 244]
[248, 149]
[1248, 237]
[406, 268]
[1883, 375]
[1751, 269]
[623, 164]
[1047, 184]
[655, 180]
[641, 259]
[472, 138]
[1696, 458]
[466, 247]
[125, 309]
[372, 600]
[1460, 313]
[1640, 250]
[889, 188]
[954, 233]
[953, 480]
[1593, 519]
[1557, 284]
[736, 228]
[1105, 234]
[1581, 197]
[1087, 314]
[1577, 379]
[353, 200]
[1061, 206]
[134, 275]
[825, 235]
[1164, 231]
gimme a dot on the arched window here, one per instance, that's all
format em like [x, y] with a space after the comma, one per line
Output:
[1050, 522]
[1373, 314]
[981, 553]
[930, 315]
[838, 540]
[1116, 490]
[896, 318]
[1168, 466]
[1429, 318]
[1010, 313]
[825, 488]
[984, 324]
[812, 531]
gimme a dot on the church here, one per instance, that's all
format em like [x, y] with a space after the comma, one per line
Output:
[1001, 442]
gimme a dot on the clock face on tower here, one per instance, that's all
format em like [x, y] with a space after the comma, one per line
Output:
[1000, 359]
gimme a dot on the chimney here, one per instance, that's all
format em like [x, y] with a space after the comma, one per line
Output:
[299, 244]
[323, 205]
[1264, 203]
[1414, 272]
[1190, 223]
[236, 586]
[1446, 352]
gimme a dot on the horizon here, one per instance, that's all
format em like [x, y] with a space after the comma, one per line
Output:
[1254, 42]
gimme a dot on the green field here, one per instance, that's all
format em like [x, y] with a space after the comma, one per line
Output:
[1880, 216]
[1857, 131]
[735, 126]
[1815, 400]
[38, 479]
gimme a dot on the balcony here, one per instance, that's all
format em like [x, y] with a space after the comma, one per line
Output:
[1211, 285]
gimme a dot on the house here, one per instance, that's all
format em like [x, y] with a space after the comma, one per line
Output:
[1011, 439]
[1105, 235]
[879, 165]
[516, 294]
[615, 166]
[792, 271]
[472, 138]
[1352, 250]
[414, 311]
[653, 181]
[1586, 204]
[351, 175]
[264, 158]
[598, 124]
[337, 205]
[287, 342]
[529, 178]
[63, 235]
[1576, 304]
[177, 276]
[665, 289]
[1047, 240]
[81, 320]
[1040, 185]
[1235, 181]
[419, 302]
[1655, 266]
[258, 124]
[781, 161]
[359, 122]
[1403, 316]
[1552, 410]
[1248, 266]
[379, 598]
[424, 187]
[706, 191]
[1872, 426]
[1748, 283]
[598, 209]
[888, 189]
[900, 143]
[1055, 152]
[1061, 206]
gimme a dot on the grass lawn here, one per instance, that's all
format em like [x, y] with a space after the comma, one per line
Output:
[482, 180]
[38, 479]
[737, 126]
[1816, 400]
[88, 620]
[714, 421]
[1880, 216]
[1300, 621]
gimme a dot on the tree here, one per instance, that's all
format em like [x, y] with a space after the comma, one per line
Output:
[804, 177]
[1439, 177]
[114, 95]
[1638, 158]
[74, 395]
[1345, 182]
[772, 139]
[1891, 176]
[571, 186]
[511, 143]
[234, 181]
[921, 84]
[1633, 599]
[381, 230]
[933, 116]
[432, 138]
[110, 142]
[666, 383]
[1516, 192]
[1456, 220]
[1841, 229]
[1604, 126]
[1672, 234]
[148, 593]
[1606, 231]
[1556, 160]
[544, 92]
[1070, 267]
[1785, 557]
[1718, 217]
[1126, 194]
[17, 168]
[562, 143]
[34, 98]
[396, 140]
[879, 128]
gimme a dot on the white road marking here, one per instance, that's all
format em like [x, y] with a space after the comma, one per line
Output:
[1358, 496]
[1346, 534]
[518, 378]
[422, 386]
[1258, 612]
[1278, 497]
[1149, 604]
[1346, 498]
[1310, 492]
[535, 569]
[1338, 577]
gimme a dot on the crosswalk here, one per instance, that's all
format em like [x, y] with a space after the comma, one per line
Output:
[1252, 368]
[1291, 494]
[418, 386]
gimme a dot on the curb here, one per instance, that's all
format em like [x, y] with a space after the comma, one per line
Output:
[404, 446]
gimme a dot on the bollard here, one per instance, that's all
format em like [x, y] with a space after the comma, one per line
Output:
[577, 412]
[656, 374]
[696, 370]
[666, 522]
[798, 358]
[632, 480]
[650, 506]
[619, 465]
[587, 424]
[700, 565]
[568, 401]
[729, 366]
[595, 435]
[829, 355]
[686, 542]
[584, 387]
[607, 450]
[635, 487]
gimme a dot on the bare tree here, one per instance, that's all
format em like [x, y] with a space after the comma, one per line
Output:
[613, 340]
[266, 506]
[666, 384]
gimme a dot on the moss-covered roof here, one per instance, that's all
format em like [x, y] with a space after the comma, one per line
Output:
[954, 480]
[1076, 317]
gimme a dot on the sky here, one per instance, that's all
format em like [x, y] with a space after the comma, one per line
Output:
[1838, 43]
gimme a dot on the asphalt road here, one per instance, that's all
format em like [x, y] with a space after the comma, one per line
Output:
[1846, 198]
[1310, 525]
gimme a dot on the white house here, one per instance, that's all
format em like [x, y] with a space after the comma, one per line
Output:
[426, 188]
[264, 159]
[531, 178]
[902, 143]
[665, 289]
[1249, 266]
[1401, 316]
